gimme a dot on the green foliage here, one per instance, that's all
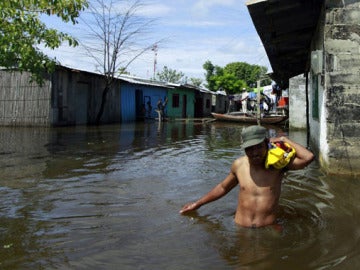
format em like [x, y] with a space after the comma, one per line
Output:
[234, 76]
[228, 82]
[211, 71]
[244, 71]
[196, 81]
[170, 75]
[21, 31]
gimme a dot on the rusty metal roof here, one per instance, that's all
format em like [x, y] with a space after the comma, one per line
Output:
[286, 28]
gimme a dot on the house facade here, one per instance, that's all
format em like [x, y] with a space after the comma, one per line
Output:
[221, 102]
[67, 97]
[203, 99]
[139, 98]
[72, 97]
[181, 101]
[318, 39]
[334, 87]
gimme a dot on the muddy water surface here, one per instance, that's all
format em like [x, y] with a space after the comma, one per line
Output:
[108, 198]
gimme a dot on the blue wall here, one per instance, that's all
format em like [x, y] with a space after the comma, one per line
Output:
[128, 99]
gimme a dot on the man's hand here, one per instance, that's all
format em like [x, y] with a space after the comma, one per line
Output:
[189, 207]
[303, 156]
[277, 139]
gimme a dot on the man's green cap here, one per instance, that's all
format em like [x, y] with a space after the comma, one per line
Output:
[253, 135]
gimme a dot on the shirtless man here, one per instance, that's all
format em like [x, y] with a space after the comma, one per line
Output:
[260, 188]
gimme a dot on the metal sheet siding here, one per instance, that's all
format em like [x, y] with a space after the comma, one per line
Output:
[155, 93]
[128, 99]
[127, 103]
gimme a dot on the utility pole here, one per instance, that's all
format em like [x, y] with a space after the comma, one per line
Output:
[155, 49]
[258, 85]
[258, 112]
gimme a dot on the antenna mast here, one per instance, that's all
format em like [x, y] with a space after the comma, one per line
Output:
[155, 49]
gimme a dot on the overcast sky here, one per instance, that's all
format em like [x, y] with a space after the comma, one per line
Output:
[194, 31]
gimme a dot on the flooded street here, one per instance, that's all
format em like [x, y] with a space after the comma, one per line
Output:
[108, 198]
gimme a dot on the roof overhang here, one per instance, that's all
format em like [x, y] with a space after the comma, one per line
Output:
[286, 28]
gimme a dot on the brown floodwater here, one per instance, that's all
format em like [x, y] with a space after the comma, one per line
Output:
[108, 198]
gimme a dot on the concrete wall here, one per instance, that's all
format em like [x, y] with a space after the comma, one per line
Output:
[297, 102]
[335, 121]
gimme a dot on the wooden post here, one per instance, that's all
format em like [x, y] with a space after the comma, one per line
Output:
[159, 115]
[258, 113]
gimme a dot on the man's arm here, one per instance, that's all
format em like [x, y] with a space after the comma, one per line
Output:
[216, 193]
[244, 98]
[303, 156]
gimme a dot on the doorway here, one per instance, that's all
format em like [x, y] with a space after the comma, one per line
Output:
[139, 105]
[184, 106]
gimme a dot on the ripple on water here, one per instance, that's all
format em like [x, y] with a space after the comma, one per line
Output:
[91, 204]
[315, 234]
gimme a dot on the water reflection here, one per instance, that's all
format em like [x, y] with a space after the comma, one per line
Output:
[108, 198]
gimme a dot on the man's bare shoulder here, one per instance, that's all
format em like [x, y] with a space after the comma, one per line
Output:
[239, 162]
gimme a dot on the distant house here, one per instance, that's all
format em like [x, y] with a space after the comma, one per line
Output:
[139, 98]
[221, 102]
[72, 97]
[68, 97]
[181, 101]
[203, 99]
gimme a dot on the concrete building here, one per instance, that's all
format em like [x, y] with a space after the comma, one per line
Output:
[297, 103]
[320, 40]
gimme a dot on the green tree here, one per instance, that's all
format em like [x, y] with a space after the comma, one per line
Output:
[228, 82]
[243, 74]
[196, 81]
[22, 31]
[246, 72]
[170, 75]
[212, 71]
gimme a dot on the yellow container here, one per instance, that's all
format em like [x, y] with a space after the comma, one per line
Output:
[278, 157]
